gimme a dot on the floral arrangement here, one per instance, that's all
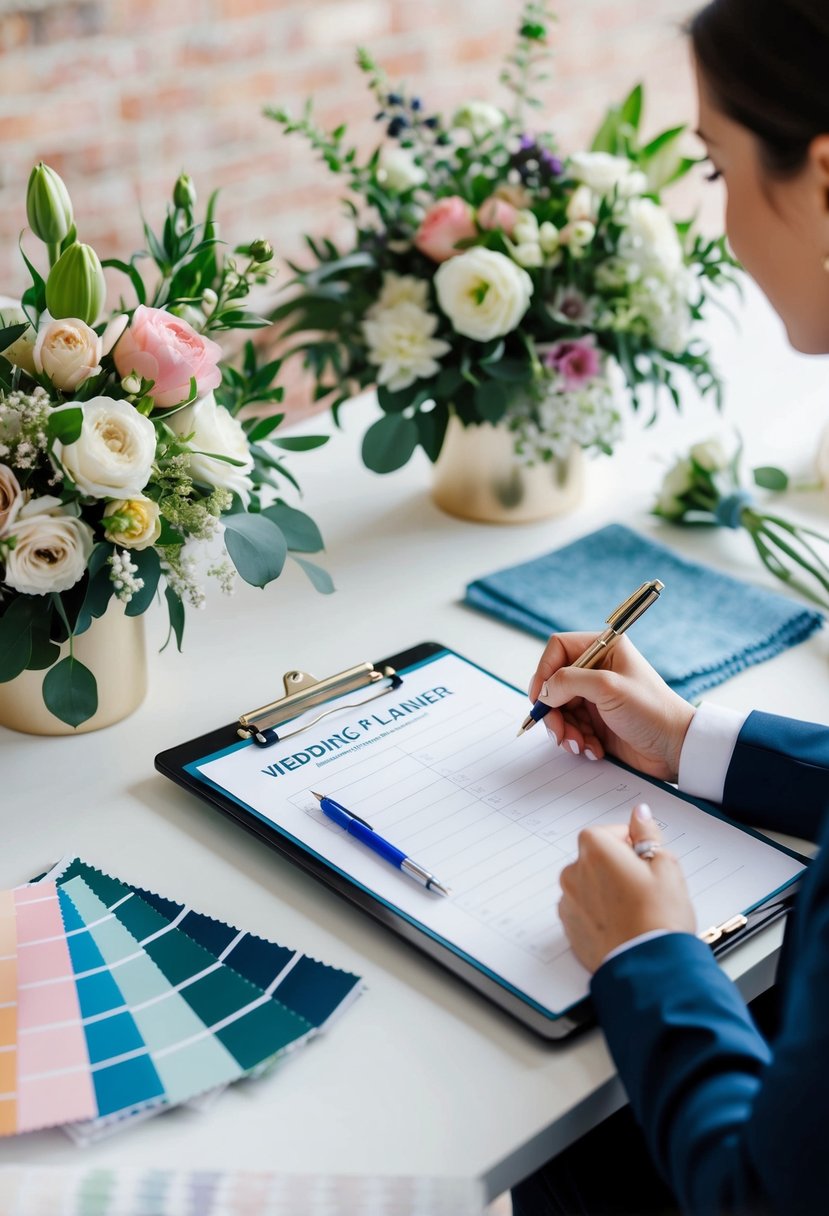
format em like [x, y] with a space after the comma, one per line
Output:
[704, 489]
[493, 279]
[121, 445]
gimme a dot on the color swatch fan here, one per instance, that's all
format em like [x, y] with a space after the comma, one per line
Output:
[116, 1003]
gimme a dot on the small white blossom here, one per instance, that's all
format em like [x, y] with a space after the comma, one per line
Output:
[122, 575]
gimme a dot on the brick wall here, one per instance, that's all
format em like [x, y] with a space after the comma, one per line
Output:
[120, 95]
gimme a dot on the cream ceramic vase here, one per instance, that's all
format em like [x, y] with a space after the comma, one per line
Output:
[114, 651]
[477, 476]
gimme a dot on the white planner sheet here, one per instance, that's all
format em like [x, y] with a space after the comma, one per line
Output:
[435, 766]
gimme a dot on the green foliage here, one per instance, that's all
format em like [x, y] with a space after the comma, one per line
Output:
[70, 691]
[257, 547]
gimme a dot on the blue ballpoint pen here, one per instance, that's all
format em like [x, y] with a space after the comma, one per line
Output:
[619, 621]
[364, 832]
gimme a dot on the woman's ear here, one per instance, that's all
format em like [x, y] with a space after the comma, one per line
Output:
[819, 161]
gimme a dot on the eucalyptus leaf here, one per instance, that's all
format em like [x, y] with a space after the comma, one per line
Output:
[299, 530]
[389, 443]
[491, 400]
[770, 478]
[70, 691]
[320, 578]
[431, 427]
[175, 608]
[300, 443]
[257, 547]
[16, 637]
[262, 427]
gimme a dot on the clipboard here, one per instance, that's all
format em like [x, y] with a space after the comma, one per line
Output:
[363, 685]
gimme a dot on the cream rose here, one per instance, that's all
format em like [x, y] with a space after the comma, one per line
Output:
[137, 522]
[114, 453]
[68, 352]
[51, 548]
[483, 293]
[10, 498]
[212, 429]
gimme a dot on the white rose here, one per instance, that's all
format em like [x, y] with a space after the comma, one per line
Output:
[51, 548]
[114, 453]
[599, 170]
[480, 118]
[215, 432]
[650, 238]
[710, 455]
[67, 351]
[398, 170]
[137, 524]
[483, 293]
[20, 351]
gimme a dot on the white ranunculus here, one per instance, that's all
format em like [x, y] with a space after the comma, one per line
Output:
[68, 351]
[650, 238]
[214, 432]
[525, 229]
[483, 293]
[599, 170]
[549, 238]
[402, 345]
[51, 548]
[527, 254]
[480, 118]
[398, 170]
[20, 352]
[114, 453]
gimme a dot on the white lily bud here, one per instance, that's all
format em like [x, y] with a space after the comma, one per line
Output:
[131, 385]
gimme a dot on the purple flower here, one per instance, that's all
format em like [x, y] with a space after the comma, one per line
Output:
[576, 360]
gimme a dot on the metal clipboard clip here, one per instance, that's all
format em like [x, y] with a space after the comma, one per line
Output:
[304, 691]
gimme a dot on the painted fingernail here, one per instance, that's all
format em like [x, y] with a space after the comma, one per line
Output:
[643, 812]
[574, 747]
[590, 755]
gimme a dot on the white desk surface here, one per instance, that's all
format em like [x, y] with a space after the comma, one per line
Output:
[421, 1076]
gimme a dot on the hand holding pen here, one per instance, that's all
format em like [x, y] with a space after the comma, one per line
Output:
[622, 707]
[597, 651]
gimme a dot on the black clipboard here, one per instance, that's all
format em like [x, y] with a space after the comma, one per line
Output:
[272, 723]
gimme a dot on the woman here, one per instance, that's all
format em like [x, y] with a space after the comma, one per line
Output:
[734, 1123]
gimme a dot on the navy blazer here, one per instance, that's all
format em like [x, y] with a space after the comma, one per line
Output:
[737, 1125]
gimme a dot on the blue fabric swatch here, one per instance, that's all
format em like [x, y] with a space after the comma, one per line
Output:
[706, 627]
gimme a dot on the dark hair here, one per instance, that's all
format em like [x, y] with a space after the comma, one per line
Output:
[767, 65]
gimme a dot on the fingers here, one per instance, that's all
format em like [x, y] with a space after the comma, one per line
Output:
[642, 826]
[561, 650]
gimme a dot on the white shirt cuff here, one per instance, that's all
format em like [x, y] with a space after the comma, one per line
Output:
[707, 750]
[634, 941]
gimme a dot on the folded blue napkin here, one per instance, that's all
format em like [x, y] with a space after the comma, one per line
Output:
[706, 627]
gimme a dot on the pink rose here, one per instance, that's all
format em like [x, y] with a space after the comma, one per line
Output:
[577, 361]
[497, 213]
[449, 221]
[160, 347]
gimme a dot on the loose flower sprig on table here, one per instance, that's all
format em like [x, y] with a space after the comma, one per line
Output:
[495, 279]
[121, 445]
[704, 488]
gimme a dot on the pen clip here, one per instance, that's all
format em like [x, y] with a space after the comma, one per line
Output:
[633, 607]
[357, 818]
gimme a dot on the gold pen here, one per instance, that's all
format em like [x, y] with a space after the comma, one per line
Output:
[618, 623]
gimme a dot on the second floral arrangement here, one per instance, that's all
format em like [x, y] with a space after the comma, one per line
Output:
[493, 279]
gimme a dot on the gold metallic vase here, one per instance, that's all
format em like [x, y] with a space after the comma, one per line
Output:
[477, 476]
[114, 651]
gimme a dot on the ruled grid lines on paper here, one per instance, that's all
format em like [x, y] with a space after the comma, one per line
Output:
[494, 817]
